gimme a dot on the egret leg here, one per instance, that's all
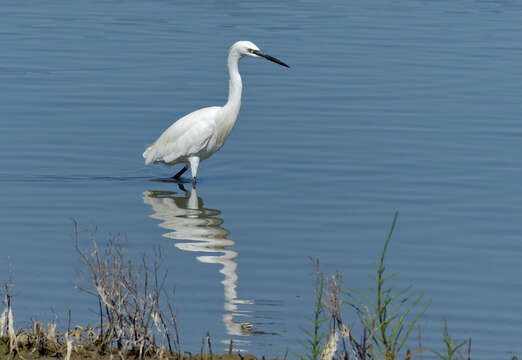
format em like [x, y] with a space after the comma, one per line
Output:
[194, 163]
[181, 172]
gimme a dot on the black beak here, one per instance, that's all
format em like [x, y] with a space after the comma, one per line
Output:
[268, 57]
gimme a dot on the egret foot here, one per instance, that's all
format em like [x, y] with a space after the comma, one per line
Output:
[181, 172]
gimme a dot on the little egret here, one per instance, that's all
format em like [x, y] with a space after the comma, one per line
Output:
[198, 135]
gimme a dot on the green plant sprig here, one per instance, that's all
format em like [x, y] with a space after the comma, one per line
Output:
[385, 311]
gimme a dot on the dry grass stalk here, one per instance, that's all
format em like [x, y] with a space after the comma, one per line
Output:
[51, 331]
[209, 344]
[315, 336]
[359, 349]
[7, 320]
[333, 304]
[330, 349]
[129, 296]
[3, 322]
[69, 345]
[206, 348]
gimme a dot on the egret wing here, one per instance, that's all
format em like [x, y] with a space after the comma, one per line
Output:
[187, 136]
[193, 141]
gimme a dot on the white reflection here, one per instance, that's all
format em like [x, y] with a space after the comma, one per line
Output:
[184, 214]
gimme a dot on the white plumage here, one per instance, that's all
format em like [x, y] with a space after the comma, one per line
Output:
[196, 136]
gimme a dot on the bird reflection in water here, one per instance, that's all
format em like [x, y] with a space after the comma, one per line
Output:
[184, 214]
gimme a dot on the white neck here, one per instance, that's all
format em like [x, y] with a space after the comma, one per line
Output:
[235, 87]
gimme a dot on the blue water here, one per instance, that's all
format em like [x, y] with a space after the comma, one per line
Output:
[405, 105]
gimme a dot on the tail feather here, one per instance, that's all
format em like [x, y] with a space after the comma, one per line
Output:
[148, 155]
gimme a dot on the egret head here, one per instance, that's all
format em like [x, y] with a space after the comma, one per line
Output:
[247, 48]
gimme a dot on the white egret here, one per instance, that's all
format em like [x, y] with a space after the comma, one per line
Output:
[198, 135]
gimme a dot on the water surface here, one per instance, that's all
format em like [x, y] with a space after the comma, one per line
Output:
[411, 106]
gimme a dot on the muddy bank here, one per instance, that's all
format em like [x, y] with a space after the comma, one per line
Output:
[32, 347]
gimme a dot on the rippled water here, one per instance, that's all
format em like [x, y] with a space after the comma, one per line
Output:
[408, 105]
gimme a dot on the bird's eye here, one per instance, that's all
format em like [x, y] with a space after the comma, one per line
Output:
[251, 51]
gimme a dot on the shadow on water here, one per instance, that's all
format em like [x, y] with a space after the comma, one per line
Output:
[199, 229]
[69, 178]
